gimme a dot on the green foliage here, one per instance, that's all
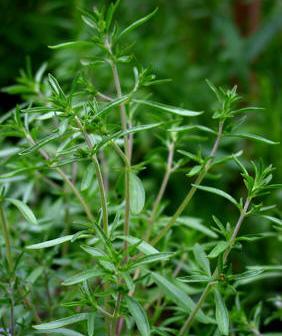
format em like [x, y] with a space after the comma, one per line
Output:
[111, 251]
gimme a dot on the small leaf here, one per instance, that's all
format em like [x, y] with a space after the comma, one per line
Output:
[79, 44]
[217, 192]
[195, 170]
[80, 277]
[218, 249]
[25, 210]
[178, 296]
[195, 224]
[50, 243]
[191, 127]
[112, 105]
[55, 86]
[137, 23]
[168, 108]
[142, 246]
[202, 258]
[152, 258]
[62, 322]
[91, 324]
[93, 251]
[273, 219]
[137, 194]
[60, 332]
[221, 313]
[254, 137]
[139, 316]
[40, 143]
[87, 177]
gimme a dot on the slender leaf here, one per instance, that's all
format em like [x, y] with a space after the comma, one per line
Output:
[201, 258]
[70, 44]
[254, 137]
[137, 23]
[152, 258]
[220, 247]
[139, 316]
[195, 224]
[141, 245]
[217, 192]
[24, 210]
[221, 313]
[62, 322]
[168, 108]
[137, 194]
[80, 277]
[50, 243]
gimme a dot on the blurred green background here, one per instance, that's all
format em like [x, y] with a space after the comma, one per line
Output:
[229, 42]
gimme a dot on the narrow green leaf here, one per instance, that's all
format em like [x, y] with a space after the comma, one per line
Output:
[112, 105]
[221, 313]
[137, 23]
[87, 177]
[50, 243]
[195, 278]
[60, 332]
[217, 192]
[76, 44]
[24, 209]
[137, 194]
[142, 246]
[273, 219]
[220, 247]
[55, 86]
[80, 277]
[168, 108]
[195, 224]
[191, 127]
[40, 143]
[201, 258]
[254, 137]
[178, 296]
[91, 324]
[95, 252]
[139, 316]
[152, 258]
[62, 322]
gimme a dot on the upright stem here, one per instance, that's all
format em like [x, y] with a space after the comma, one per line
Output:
[128, 153]
[6, 235]
[98, 174]
[206, 291]
[161, 190]
[45, 155]
[192, 191]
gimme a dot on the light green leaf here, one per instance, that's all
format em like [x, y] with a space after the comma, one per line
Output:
[142, 246]
[136, 24]
[168, 108]
[191, 127]
[217, 192]
[137, 194]
[62, 322]
[55, 86]
[50, 243]
[87, 177]
[91, 324]
[152, 258]
[178, 296]
[112, 105]
[24, 209]
[221, 313]
[195, 170]
[139, 316]
[273, 219]
[95, 252]
[201, 258]
[40, 143]
[218, 249]
[80, 277]
[195, 223]
[60, 332]
[79, 44]
[254, 137]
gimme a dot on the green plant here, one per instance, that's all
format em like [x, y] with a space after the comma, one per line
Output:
[78, 160]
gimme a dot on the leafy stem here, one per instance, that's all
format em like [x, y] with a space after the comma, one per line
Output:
[192, 191]
[98, 174]
[6, 235]
[190, 319]
[45, 155]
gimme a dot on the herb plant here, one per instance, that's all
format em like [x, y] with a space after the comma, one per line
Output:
[103, 258]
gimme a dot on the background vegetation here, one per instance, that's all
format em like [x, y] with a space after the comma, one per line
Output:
[187, 41]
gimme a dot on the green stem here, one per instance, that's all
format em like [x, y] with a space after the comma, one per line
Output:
[6, 235]
[102, 191]
[45, 155]
[205, 293]
[128, 152]
[192, 191]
